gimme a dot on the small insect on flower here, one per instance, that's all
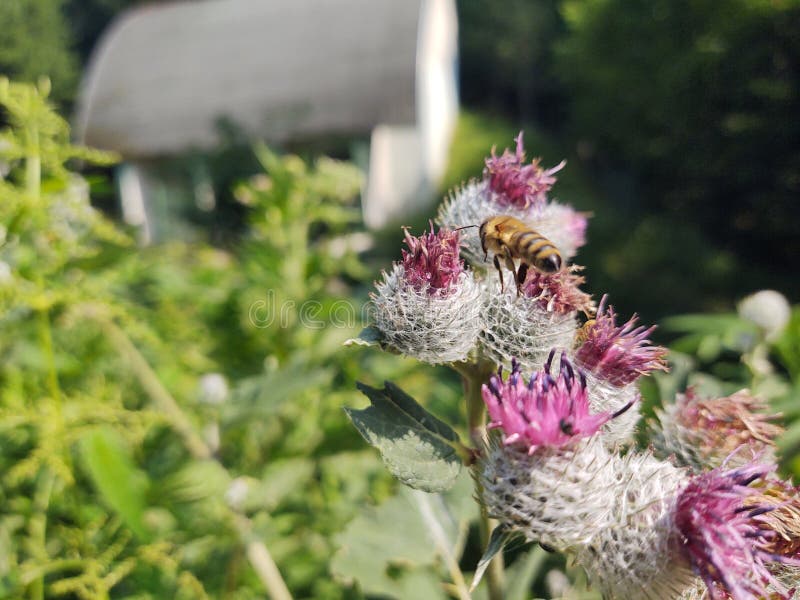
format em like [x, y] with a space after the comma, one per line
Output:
[509, 238]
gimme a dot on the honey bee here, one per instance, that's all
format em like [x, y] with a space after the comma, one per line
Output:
[509, 238]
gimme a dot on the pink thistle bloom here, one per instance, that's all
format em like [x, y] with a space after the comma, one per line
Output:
[517, 184]
[726, 536]
[558, 292]
[432, 262]
[618, 354]
[547, 411]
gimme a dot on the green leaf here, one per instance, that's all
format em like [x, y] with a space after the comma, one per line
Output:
[524, 572]
[369, 336]
[120, 483]
[500, 535]
[390, 549]
[419, 449]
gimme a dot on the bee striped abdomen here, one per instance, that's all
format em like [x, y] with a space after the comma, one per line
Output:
[531, 243]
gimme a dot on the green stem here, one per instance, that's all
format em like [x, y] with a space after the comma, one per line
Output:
[473, 377]
[37, 527]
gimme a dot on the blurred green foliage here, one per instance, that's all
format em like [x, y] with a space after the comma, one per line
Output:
[164, 409]
[698, 98]
[36, 41]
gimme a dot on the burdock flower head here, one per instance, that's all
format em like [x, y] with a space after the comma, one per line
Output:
[550, 411]
[527, 326]
[512, 187]
[726, 536]
[428, 307]
[432, 261]
[516, 183]
[546, 474]
[615, 356]
[704, 432]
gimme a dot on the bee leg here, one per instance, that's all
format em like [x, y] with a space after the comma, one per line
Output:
[511, 267]
[499, 270]
[522, 272]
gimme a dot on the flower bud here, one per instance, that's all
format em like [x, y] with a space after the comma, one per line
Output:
[769, 310]
[428, 306]
[703, 433]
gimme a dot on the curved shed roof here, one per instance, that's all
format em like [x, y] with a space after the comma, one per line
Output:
[164, 75]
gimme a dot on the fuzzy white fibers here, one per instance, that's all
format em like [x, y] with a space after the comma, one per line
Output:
[518, 327]
[605, 397]
[557, 496]
[475, 202]
[637, 555]
[435, 328]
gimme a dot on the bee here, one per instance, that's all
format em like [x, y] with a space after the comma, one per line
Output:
[509, 238]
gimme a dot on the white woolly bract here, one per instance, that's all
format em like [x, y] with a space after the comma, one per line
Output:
[557, 496]
[432, 328]
[637, 555]
[518, 327]
[475, 202]
[605, 397]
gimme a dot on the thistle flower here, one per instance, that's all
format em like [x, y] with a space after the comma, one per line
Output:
[510, 187]
[428, 306]
[528, 326]
[614, 357]
[725, 534]
[517, 184]
[704, 432]
[556, 496]
[547, 411]
[559, 292]
[618, 354]
[432, 263]
[538, 476]
[783, 517]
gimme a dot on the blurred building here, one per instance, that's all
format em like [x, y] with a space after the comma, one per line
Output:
[380, 73]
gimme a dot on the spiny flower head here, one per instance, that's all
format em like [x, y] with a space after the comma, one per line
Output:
[432, 262]
[726, 536]
[518, 184]
[718, 426]
[783, 519]
[618, 354]
[547, 411]
[559, 291]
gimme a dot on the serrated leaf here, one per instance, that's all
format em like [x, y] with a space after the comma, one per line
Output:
[120, 483]
[498, 539]
[369, 336]
[418, 449]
